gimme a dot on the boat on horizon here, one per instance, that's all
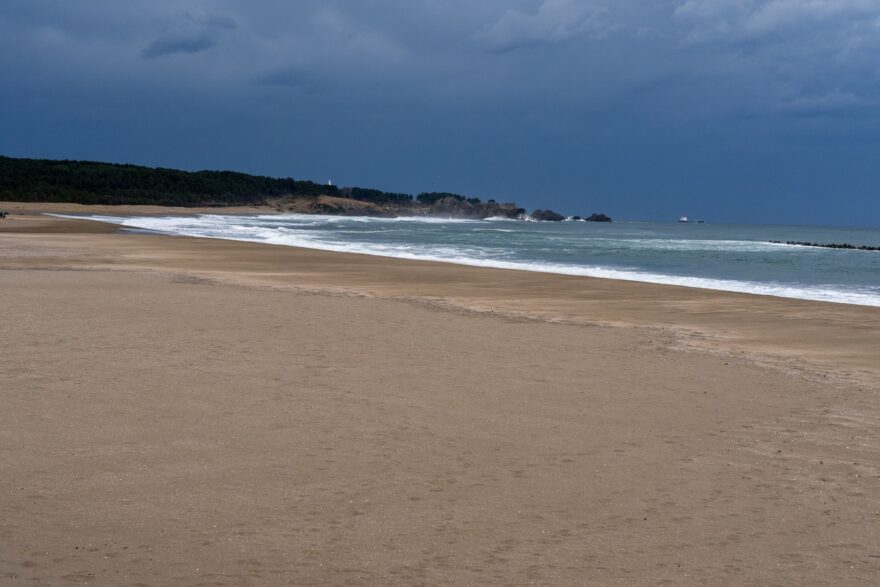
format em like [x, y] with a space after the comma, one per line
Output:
[685, 220]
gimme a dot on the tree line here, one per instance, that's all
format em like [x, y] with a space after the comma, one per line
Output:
[91, 182]
[88, 182]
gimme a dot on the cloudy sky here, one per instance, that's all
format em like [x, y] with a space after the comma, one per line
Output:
[729, 110]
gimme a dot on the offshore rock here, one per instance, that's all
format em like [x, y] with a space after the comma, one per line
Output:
[547, 215]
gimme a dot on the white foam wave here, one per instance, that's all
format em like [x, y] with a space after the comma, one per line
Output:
[660, 244]
[222, 227]
[364, 219]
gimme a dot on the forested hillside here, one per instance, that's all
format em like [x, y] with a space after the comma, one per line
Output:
[88, 182]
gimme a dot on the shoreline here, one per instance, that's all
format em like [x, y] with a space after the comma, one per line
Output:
[191, 411]
[812, 293]
[38, 208]
[771, 329]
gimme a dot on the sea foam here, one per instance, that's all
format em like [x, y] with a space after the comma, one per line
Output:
[351, 235]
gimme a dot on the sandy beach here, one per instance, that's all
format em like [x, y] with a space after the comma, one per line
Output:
[204, 412]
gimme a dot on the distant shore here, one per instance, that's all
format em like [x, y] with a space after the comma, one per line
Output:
[183, 410]
[98, 183]
[102, 183]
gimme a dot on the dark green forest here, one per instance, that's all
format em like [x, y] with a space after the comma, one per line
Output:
[428, 198]
[376, 196]
[91, 182]
[88, 182]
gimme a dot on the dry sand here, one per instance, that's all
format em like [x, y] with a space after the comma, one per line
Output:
[193, 411]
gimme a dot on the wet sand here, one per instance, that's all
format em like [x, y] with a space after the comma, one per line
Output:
[194, 411]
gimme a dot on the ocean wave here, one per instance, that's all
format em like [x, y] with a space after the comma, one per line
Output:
[225, 227]
[659, 244]
[373, 219]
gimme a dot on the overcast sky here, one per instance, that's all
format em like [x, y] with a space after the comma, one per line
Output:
[729, 110]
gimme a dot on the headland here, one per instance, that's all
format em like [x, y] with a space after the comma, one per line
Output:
[98, 183]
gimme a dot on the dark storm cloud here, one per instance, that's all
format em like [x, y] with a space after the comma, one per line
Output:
[737, 106]
[285, 77]
[170, 44]
[553, 22]
[192, 34]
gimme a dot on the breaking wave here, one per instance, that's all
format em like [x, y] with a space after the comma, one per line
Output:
[630, 256]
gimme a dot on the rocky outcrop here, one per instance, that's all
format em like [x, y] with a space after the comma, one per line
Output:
[451, 207]
[547, 215]
[598, 218]
[493, 209]
[334, 206]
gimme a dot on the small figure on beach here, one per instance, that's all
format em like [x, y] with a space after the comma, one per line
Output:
[3, 214]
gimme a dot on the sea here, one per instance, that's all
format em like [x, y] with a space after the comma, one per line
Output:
[727, 257]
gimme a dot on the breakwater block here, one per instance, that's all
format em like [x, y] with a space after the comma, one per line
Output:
[828, 245]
